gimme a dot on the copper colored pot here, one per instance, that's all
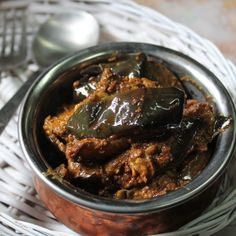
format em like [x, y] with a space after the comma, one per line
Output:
[93, 222]
[92, 215]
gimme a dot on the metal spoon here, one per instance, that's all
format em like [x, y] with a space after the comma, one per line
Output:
[57, 37]
[63, 34]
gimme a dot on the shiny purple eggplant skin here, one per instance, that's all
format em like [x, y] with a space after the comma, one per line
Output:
[125, 113]
[132, 66]
[87, 83]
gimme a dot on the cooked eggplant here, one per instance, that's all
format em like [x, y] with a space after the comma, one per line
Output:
[184, 139]
[89, 76]
[190, 131]
[93, 151]
[83, 91]
[160, 73]
[124, 112]
[132, 65]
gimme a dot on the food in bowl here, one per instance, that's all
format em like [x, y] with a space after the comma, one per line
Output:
[132, 130]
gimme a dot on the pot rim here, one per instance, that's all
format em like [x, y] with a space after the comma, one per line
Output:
[210, 173]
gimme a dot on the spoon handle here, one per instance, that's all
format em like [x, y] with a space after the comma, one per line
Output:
[10, 107]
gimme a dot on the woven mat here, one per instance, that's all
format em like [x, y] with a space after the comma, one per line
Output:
[21, 212]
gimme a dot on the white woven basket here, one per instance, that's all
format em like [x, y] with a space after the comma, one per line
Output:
[21, 212]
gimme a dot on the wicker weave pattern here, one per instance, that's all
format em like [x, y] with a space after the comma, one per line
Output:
[21, 212]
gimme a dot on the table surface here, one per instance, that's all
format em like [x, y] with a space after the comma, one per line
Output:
[215, 20]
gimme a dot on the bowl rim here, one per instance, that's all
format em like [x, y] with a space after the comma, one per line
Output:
[125, 206]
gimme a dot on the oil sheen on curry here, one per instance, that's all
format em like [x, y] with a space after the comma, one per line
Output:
[132, 130]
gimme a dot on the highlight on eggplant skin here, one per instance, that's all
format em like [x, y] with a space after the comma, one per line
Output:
[123, 112]
[129, 65]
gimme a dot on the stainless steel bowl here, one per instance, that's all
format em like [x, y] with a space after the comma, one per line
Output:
[86, 213]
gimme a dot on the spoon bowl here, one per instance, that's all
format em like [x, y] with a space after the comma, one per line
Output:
[63, 34]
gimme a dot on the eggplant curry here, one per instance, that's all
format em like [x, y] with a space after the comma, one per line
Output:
[132, 131]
